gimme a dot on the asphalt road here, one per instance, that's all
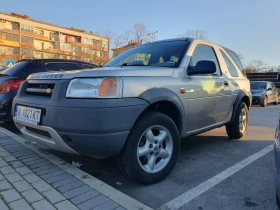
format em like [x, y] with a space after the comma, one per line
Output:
[203, 157]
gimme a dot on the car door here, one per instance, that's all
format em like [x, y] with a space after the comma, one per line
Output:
[274, 92]
[207, 104]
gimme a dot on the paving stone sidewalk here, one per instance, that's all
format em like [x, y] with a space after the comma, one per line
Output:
[29, 181]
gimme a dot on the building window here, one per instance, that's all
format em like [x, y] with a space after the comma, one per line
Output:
[27, 40]
[75, 39]
[10, 37]
[15, 26]
[26, 28]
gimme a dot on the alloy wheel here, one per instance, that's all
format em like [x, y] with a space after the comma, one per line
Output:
[154, 149]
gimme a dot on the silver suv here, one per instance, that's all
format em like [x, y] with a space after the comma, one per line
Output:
[139, 106]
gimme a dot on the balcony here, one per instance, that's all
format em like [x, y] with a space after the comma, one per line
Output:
[11, 31]
[9, 43]
[30, 46]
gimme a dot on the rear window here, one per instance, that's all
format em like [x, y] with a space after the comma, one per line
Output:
[235, 58]
[16, 69]
[61, 66]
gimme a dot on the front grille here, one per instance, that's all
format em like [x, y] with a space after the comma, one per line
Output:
[40, 89]
[40, 132]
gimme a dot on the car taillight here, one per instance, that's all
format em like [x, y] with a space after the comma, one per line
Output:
[10, 85]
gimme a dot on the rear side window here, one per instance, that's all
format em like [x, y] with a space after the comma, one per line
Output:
[231, 68]
[207, 53]
[19, 69]
[61, 66]
[235, 58]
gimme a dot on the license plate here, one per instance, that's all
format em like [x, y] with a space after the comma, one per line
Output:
[28, 114]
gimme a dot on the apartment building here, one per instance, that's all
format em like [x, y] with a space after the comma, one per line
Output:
[22, 37]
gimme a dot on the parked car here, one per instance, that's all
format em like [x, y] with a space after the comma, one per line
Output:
[139, 105]
[264, 92]
[276, 161]
[12, 77]
[3, 68]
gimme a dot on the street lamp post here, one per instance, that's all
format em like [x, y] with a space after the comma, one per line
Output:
[150, 34]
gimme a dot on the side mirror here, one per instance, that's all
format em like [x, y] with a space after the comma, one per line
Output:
[202, 67]
[269, 89]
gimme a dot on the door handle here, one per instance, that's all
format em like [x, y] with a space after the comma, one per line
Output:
[226, 83]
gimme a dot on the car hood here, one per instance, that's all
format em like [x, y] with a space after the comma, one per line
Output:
[257, 91]
[125, 71]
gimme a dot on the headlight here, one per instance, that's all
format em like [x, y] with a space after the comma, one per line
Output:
[94, 88]
[257, 94]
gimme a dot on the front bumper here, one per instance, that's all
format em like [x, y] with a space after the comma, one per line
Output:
[88, 131]
[257, 100]
[93, 127]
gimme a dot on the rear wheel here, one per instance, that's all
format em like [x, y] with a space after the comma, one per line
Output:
[264, 103]
[238, 128]
[152, 149]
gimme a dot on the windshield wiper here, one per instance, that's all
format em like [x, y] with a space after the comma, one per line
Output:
[127, 64]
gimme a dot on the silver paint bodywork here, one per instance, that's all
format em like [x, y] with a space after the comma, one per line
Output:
[207, 101]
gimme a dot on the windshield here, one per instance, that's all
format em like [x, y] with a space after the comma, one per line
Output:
[164, 54]
[11, 71]
[258, 85]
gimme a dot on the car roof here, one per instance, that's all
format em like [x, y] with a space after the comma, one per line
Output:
[56, 60]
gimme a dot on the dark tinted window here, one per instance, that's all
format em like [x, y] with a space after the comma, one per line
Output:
[231, 68]
[165, 54]
[235, 58]
[17, 68]
[203, 52]
[61, 66]
[258, 85]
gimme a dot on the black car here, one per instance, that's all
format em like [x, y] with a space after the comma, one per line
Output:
[264, 92]
[12, 77]
[3, 68]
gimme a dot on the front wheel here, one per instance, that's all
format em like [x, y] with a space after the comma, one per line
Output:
[238, 128]
[152, 148]
[264, 103]
[277, 101]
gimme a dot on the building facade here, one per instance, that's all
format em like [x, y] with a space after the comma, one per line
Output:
[122, 49]
[22, 37]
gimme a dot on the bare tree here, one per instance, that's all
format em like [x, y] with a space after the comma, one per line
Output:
[101, 57]
[258, 66]
[137, 32]
[116, 40]
[197, 34]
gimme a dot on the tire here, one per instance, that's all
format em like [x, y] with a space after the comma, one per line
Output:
[153, 125]
[264, 104]
[276, 102]
[234, 129]
[277, 201]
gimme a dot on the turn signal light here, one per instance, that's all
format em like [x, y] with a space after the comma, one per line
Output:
[109, 87]
[10, 85]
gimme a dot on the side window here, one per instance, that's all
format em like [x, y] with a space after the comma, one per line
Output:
[61, 66]
[203, 52]
[232, 70]
[269, 85]
[235, 58]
